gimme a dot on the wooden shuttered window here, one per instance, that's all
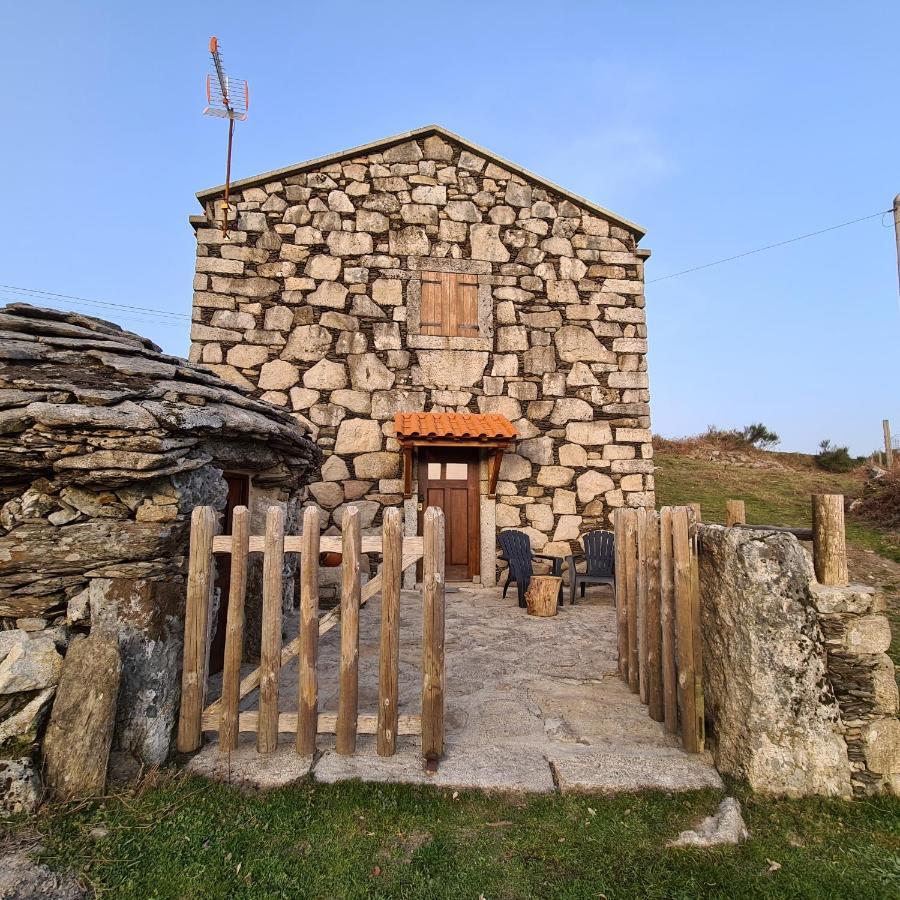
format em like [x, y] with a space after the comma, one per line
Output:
[449, 304]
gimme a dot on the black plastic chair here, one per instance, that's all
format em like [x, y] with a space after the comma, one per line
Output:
[600, 557]
[515, 547]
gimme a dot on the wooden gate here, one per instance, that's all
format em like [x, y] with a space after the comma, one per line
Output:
[399, 553]
[658, 616]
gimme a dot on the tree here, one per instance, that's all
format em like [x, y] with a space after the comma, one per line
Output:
[759, 436]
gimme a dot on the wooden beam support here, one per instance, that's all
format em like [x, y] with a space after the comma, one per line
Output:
[496, 462]
[407, 472]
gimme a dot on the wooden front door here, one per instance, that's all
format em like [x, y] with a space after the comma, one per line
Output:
[449, 479]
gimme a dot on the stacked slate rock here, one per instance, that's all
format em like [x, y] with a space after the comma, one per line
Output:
[857, 636]
[106, 445]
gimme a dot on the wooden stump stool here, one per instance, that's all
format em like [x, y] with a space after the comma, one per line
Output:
[542, 595]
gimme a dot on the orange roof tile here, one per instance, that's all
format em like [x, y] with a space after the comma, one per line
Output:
[462, 426]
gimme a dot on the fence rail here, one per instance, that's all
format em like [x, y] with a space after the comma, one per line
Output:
[307, 722]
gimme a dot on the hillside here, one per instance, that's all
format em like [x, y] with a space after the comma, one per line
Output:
[776, 489]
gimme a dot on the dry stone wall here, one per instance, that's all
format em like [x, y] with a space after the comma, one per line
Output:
[313, 302]
[106, 446]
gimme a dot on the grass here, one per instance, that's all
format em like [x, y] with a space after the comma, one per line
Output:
[191, 838]
[772, 496]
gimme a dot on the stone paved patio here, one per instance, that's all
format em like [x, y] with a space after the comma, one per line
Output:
[532, 704]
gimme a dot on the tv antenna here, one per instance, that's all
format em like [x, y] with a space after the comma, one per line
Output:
[226, 98]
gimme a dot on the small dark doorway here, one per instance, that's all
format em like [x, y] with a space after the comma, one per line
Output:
[449, 478]
[238, 495]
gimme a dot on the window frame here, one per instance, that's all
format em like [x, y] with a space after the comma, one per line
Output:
[484, 340]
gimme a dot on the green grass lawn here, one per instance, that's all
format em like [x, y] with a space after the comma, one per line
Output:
[191, 838]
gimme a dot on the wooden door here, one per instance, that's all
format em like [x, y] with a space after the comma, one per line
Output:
[449, 479]
[238, 495]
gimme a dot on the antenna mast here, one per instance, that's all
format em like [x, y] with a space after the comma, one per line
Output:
[226, 98]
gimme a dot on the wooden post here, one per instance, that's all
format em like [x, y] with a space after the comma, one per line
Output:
[234, 632]
[735, 513]
[829, 542]
[697, 637]
[348, 696]
[389, 662]
[652, 626]
[684, 629]
[196, 628]
[695, 508]
[433, 636]
[888, 449]
[270, 652]
[307, 679]
[667, 620]
[621, 591]
[641, 514]
[631, 574]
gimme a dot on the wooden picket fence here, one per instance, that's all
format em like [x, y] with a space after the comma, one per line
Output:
[399, 553]
[658, 616]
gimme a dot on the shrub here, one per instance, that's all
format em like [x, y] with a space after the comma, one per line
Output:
[834, 459]
[760, 436]
[880, 502]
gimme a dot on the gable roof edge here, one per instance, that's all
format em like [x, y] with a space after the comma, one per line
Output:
[401, 138]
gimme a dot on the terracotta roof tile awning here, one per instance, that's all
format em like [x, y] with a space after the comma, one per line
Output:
[416, 429]
[426, 427]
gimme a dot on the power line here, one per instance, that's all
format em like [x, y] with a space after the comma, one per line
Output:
[792, 240]
[33, 293]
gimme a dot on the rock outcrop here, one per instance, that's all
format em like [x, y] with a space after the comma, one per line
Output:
[800, 694]
[775, 719]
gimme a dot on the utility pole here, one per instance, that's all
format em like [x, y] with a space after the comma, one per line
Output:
[897, 234]
[888, 449]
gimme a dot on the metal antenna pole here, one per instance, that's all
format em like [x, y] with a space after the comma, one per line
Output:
[227, 98]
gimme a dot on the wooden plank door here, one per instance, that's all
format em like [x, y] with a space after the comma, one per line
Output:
[449, 480]
[238, 495]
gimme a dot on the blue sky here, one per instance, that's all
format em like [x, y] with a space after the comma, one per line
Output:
[718, 127]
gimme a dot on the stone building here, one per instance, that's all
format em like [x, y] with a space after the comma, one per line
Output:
[423, 274]
[106, 446]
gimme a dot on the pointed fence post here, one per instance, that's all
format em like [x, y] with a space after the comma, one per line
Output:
[684, 629]
[196, 628]
[389, 662]
[348, 696]
[631, 598]
[621, 591]
[433, 636]
[307, 676]
[667, 620]
[270, 651]
[652, 618]
[234, 632]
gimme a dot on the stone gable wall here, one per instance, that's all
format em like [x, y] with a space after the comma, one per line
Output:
[313, 302]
